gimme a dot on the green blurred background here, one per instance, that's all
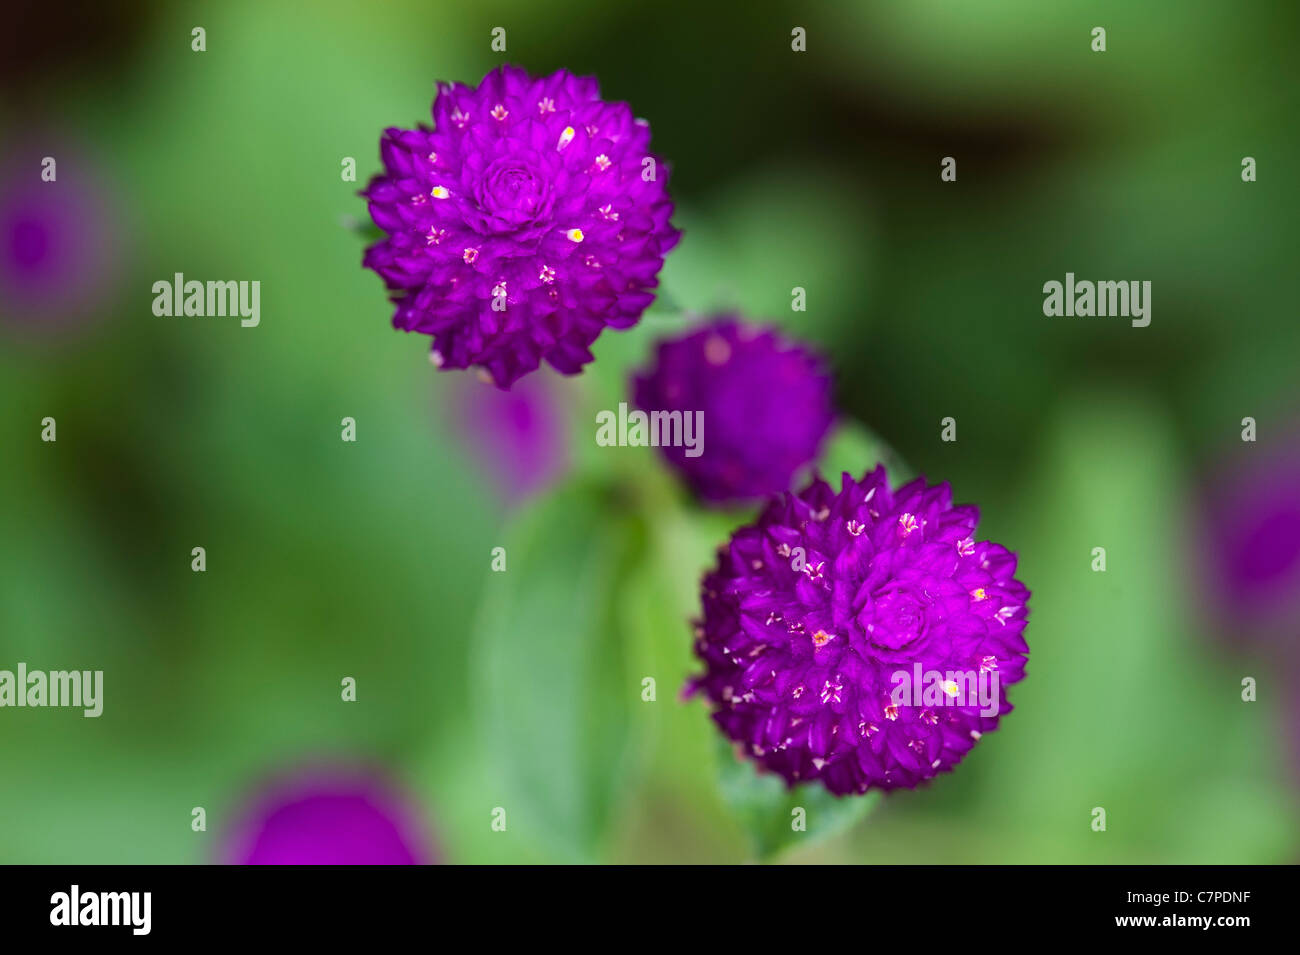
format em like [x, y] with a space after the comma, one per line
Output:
[523, 690]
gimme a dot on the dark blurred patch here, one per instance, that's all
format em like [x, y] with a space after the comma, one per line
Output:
[748, 101]
[43, 42]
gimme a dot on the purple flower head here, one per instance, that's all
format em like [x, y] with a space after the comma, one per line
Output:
[329, 817]
[765, 404]
[1254, 523]
[519, 436]
[532, 216]
[814, 613]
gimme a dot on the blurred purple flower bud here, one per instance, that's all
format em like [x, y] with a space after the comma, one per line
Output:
[329, 817]
[59, 240]
[519, 437]
[1254, 552]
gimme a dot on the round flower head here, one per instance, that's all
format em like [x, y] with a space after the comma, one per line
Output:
[863, 639]
[331, 817]
[765, 406]
[532, 216]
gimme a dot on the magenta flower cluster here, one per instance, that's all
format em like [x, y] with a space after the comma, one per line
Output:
[527, 220]
[766, 404]
[813, 610]
[531, 217]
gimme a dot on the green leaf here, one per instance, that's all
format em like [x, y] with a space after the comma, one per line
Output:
[620, 354]
[768, 811]
[1123, 701]
[552, 680]
[855, 448]
[363, 229]
[732, 260]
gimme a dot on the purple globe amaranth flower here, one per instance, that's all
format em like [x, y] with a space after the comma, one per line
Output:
[814, 611]
[329, 817]
[765, 405]
[530, 218]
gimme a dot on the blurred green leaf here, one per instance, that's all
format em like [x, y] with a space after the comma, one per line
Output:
[1122, 709]
[553, 681]
[363, 229]
[855, 448]
[731, 259]
[765, 808]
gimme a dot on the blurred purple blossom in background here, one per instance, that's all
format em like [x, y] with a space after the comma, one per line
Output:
[329, 817]
[59, 240]
[1252, 566]
[1254, 557]
[518, 437]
